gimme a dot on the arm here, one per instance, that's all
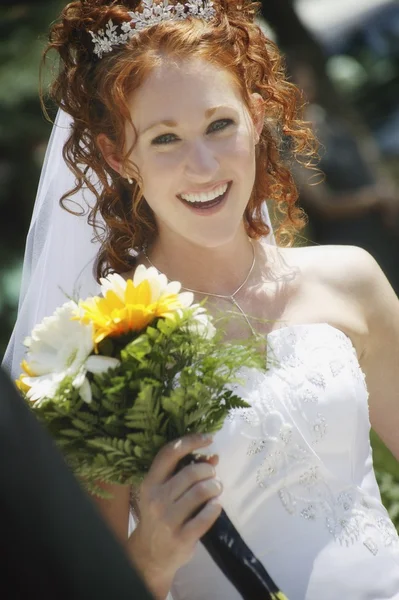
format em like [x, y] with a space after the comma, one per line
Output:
[360, 300]
[338, 206]
[382, 195]
[116, 514]
[331, 205]
[316, 195]
[380, 358]
[370, 310]
[116, 511]
[176, 508]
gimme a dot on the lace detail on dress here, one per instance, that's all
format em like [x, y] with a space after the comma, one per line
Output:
[298, 482]
[287, 421]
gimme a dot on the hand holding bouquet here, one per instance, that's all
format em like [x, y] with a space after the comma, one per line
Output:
[114, 378]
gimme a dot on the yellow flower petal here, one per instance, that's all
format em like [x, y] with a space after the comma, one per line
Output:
[138, 295]
[26, 368]
[119, 312]
[21, 385]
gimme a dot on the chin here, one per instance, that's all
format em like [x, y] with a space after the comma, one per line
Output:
[215, 237]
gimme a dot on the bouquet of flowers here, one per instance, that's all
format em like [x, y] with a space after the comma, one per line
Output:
[115, 377]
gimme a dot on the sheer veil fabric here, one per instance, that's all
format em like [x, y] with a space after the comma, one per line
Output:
[60, 250]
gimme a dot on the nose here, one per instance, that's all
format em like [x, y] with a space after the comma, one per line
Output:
[201, 163]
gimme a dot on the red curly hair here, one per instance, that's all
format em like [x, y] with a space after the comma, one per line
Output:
[95, 91]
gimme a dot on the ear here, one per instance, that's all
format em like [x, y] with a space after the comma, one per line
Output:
[258, 114]
[107, 149]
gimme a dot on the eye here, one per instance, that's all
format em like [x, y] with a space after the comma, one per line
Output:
[220, 125]
[167, 138]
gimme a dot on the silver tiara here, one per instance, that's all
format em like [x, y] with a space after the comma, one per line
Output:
[152, 14]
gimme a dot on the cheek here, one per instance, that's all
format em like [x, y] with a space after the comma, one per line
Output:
[163, 163]
[157, 171]
[243, 151]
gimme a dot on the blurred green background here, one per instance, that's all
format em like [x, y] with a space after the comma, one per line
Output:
[353, 48]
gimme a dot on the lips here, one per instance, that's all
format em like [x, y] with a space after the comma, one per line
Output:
[207, 205]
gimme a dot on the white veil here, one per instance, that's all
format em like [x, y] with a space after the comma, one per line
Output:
[59, 252]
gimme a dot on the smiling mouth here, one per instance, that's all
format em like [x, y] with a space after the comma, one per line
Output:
[206, 205]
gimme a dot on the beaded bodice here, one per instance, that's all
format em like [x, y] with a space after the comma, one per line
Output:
[298, 479]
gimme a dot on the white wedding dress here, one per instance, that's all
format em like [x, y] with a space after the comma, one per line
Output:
[298, 478]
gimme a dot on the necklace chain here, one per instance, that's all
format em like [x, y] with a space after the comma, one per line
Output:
[229, 297]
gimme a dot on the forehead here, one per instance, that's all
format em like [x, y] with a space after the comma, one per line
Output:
[174, 89]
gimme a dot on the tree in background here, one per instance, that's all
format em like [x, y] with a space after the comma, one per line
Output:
[292, 36]
[23, 137]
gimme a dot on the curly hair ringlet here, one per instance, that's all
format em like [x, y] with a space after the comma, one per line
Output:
[94, 93]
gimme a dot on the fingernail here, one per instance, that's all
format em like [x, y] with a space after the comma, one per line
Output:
[219, 484]
[207, 437]
[212, 456]
[215, 502]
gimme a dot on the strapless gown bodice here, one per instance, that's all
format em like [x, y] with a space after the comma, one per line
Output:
[299, 485]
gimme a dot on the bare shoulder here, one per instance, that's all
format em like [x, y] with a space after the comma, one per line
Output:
[350, 288]
[345, 286]
[346, 270]
[344, 267]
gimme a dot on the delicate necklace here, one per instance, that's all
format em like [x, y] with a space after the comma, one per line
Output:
[229, 297]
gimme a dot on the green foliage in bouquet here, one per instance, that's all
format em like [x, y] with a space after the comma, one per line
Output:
[171, 381]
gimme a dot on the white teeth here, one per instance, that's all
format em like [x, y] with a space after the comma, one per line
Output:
[206, 196]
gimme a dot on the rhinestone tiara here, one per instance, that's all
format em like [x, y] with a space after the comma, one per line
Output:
[152, 14]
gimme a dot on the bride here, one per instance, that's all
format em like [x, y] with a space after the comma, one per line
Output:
[178, 121]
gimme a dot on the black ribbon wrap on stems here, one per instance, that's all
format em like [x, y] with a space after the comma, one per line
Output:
[234, 558]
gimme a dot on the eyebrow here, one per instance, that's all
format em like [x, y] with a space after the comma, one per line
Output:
[170, 123]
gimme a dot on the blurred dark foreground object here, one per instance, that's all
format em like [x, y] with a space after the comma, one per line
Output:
[54, 545]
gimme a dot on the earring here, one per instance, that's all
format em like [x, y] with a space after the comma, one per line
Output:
[129, 180]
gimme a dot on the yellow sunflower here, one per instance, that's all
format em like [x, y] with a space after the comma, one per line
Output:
[131, 305]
